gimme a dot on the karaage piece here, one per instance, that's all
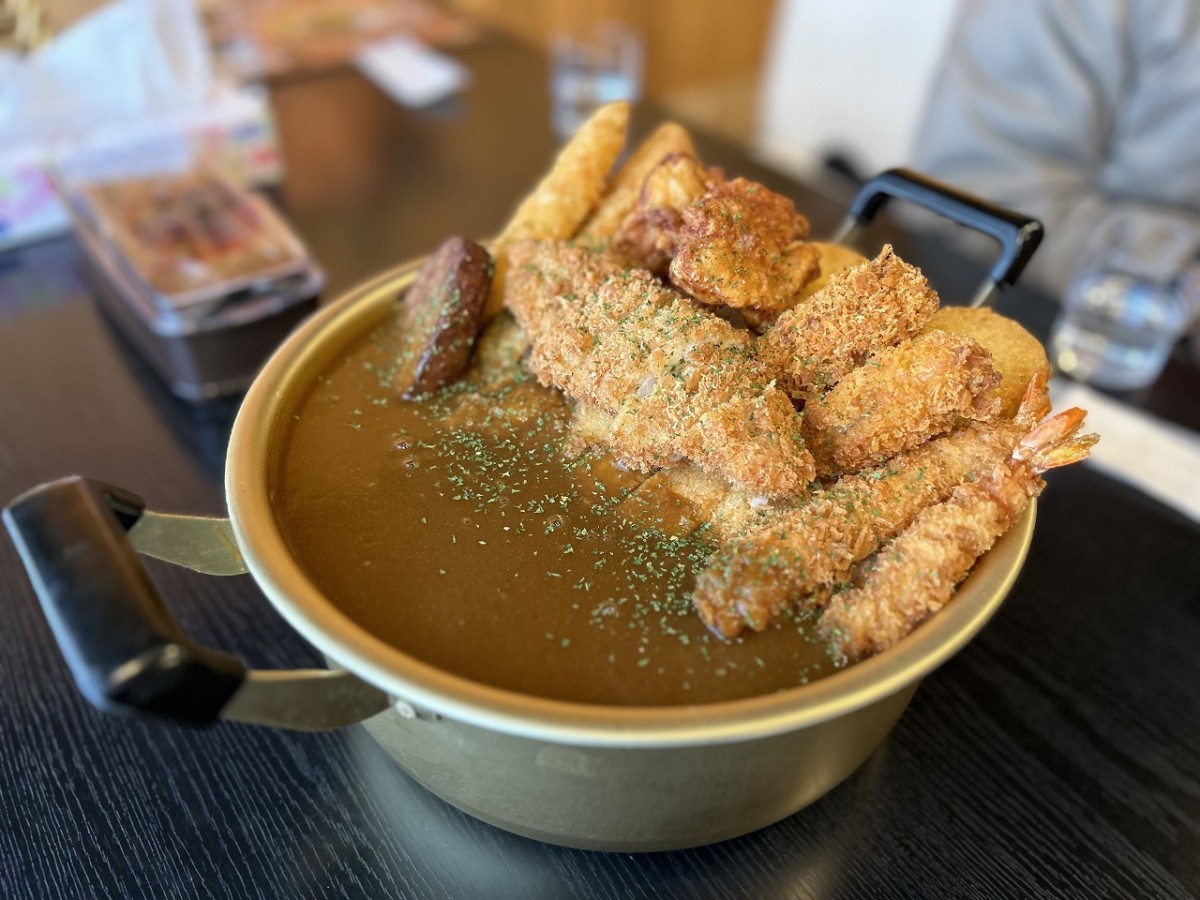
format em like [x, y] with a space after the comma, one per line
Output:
[796, 557]
[861, 310]
[742, 246]
[623, 193]
[648, 237]
[899, 398]
[680, 383]
[1017, 354]
[915, 574]
[567, 194]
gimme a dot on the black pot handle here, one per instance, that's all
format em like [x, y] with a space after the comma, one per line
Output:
[126, 653]
[1019, 235]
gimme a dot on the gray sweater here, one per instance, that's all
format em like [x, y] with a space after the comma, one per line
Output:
[1075, 111]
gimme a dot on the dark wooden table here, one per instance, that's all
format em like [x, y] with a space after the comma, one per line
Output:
[1057, 755]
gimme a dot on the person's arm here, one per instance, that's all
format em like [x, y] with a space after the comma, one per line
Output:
[1037, 106]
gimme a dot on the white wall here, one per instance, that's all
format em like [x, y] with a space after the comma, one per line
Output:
[848, 76]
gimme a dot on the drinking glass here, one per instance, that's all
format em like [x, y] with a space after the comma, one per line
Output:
[1127, 305]
[590, 66]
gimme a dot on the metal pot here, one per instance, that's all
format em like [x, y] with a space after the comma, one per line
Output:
[608, 778]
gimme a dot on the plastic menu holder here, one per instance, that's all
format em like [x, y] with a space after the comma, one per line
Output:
[190, 238]
[202, 276]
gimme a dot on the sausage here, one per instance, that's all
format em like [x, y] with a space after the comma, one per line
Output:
[441, 314]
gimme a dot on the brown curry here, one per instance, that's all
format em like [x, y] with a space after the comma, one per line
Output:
[466, 530]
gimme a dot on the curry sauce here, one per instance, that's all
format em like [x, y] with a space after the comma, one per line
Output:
[468, 530]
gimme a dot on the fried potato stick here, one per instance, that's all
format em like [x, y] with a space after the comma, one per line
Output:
[915, 574]
[862, 309]
[898, 399]
[622, 196]
[567, 194]
[679, 382]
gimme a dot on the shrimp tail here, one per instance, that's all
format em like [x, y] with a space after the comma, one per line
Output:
[1056, 441]
[1035, 403]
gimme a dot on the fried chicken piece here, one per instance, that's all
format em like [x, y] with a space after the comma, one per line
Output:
[916, 573]
[861, 310]
[679, 382]
[799, 555]
[742, 246]
[649, 236]
[899, 398]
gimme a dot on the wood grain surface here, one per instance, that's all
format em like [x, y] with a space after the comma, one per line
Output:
[1057, 755]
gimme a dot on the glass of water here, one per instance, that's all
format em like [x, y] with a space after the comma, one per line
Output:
[1127, 305]
[591, 65]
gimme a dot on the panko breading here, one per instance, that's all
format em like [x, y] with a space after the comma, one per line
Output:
[742, 246]
[567, 194]
[1018, 355]
[916, 573]
[861, 310]
[831, 258]
[622, 197]
[784, 564]
[726, 512]
[648, 236]
[899, 398]
[680, 383]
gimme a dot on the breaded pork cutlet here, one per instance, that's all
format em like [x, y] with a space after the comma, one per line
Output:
[679, 382]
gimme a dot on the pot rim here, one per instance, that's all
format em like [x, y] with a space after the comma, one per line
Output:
[252, 446]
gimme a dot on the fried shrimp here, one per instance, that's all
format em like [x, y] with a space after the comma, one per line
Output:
[899, 398]
[915, 574]
[791, 561]
[861, 310]
[679, 383]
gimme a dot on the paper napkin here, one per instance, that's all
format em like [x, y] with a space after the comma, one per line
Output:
[411, 73]
[1157, 457]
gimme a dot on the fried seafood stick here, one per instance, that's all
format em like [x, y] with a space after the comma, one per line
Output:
[791, 561]
[915, 575]
[680, 383]
[861, 310]
[899, 398]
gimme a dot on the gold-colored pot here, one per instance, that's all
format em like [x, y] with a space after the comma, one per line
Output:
[608, 778]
